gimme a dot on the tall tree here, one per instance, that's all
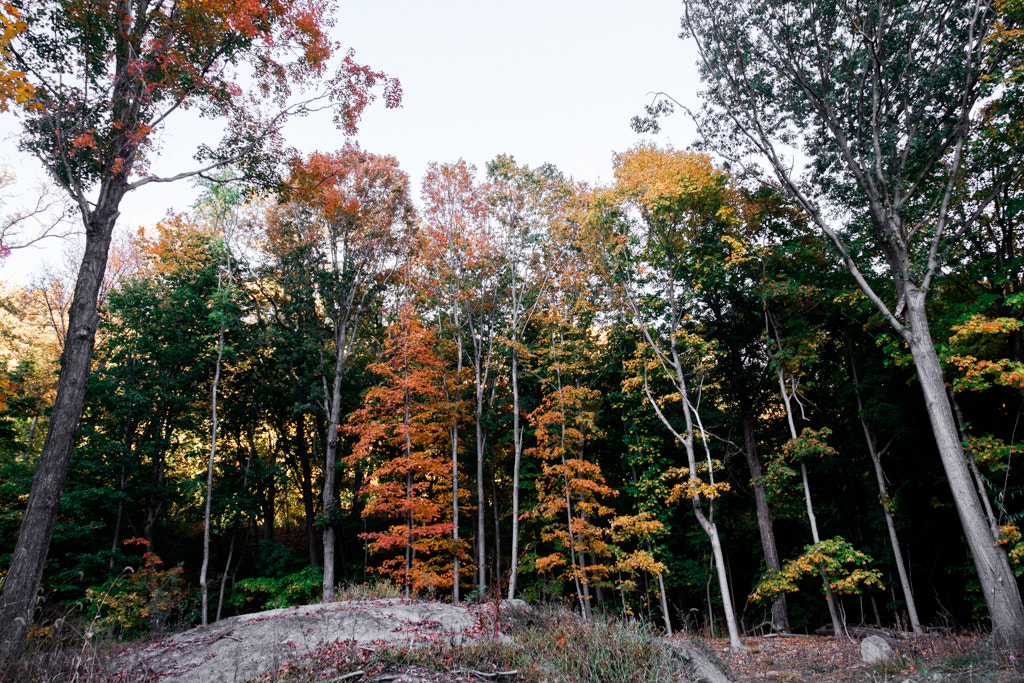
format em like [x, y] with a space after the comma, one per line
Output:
[353, 208]
[879, 98]
[454, 211]
[663, 200]
[524, 202]
[104, 80]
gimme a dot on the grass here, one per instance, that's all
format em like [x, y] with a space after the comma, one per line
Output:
[549, 645]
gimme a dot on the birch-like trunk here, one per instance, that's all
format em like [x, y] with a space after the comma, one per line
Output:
[998, 583]
[894, 541]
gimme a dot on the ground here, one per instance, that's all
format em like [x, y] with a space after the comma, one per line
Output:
[419, 641]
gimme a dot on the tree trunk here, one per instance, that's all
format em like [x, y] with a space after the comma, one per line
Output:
[481, 503]
[330, 458]
[455, 510]
[876, 461]
[765, 524]
[203, 586]
[18, 599]
[833, 611]
[997, 580]
[517, 438]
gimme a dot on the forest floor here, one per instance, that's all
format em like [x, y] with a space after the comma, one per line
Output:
[396, 641]
[940, 656]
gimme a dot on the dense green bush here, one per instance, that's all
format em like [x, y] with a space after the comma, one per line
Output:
[265, 592]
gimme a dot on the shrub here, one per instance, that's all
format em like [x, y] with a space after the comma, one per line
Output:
[265, 592]
[137, 601]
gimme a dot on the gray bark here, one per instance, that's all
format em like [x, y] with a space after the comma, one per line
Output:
[765, 525]
[18, 599]
[998, 582]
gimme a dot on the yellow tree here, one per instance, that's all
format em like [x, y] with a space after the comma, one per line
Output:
[654, 228]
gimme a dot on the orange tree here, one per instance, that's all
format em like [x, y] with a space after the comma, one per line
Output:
[101, 80]
[400, 427]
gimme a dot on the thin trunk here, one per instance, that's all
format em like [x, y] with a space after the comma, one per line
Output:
[203, 585]
[705, 521]
[496, 514]
[224, 576]
[123, 482]
[481, 503]
[765, 524]
[454, 431]
[998, 582]
[876, 461]
[663, 599]
[455, 514]
[517, 438]
[833, 611]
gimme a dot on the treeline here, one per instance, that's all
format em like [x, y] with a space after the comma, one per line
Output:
[665, 397]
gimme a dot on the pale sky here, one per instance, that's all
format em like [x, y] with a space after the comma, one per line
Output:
[554, 81]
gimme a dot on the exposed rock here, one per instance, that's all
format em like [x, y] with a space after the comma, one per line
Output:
[240, 648]
[875, 649]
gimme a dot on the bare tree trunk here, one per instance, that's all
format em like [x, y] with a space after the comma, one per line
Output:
[998, 582]
[203, 587]
[765, 525]
[517, 439]
[833, 611]
[18, 599]
[330, 492]
[876, 461]
[481, 502]
[663, 599]
[224, 576]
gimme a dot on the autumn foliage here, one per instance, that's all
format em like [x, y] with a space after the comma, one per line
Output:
[400, 428]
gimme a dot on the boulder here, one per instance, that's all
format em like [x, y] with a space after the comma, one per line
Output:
[875, 649]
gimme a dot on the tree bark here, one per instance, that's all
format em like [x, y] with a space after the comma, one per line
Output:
[18, 599]
[517, 439]
[330, 458]
[998, 582]
[765, 524]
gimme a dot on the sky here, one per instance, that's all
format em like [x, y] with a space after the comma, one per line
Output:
[546, 82]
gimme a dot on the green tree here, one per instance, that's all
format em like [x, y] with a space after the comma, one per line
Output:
[104, 80]
[879, 98]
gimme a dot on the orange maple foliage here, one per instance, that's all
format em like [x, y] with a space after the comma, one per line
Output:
[399, 428]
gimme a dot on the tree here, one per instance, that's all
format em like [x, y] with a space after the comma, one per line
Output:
[353, 209]
[523, 202]
[662, 201]
[104, 80]
[220, 204]
[454, 211]
[879, 98]
[404, 416]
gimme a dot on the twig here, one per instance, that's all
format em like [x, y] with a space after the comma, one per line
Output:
[348, 675]
[496, 674]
